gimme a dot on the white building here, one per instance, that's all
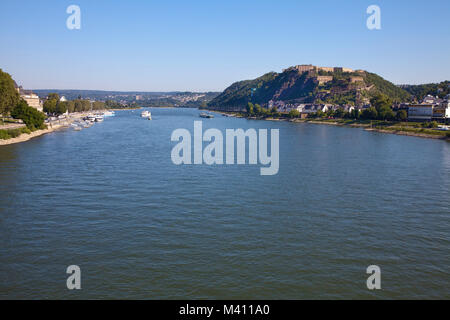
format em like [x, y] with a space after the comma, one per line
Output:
[428, 112]
[422, 112]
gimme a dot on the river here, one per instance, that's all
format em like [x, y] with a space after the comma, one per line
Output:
[110, 200]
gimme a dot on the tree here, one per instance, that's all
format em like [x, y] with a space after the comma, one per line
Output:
[250, 108]
[98, 105]
[402, 115]
[61, 107]
[70, 106]
[50, 106]
[9, 97]
[340, 113]
[369, 113]
[382, 104]
[294, 114]
[258, 109]
[386, 113]
[33, 118]
[86, 105]
[53, 96]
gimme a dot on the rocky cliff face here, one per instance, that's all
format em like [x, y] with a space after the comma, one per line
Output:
[293, 86]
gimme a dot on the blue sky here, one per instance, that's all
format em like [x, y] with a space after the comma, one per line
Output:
[207, 45]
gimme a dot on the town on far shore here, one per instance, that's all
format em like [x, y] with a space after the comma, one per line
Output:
[431, 108]
[309, 82]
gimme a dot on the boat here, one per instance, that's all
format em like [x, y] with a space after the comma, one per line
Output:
[146, 114]
[206, 115]
[90, 118]
[109, 114]
[76, 126]
[99, 119]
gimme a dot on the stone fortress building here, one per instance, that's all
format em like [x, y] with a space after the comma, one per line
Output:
[321, 79]
[309, 67]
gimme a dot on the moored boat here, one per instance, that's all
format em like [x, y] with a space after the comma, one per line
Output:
[109, 113]
[206, 115]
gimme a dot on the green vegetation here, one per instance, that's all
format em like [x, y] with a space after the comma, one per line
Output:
[33, 119]
[13, 133]
[402, 115]
[258, 111]
[54, 106]
[8, 94]
[395, 93]
[399, 128]
[241, 93]
[293, 87]
[421, 91]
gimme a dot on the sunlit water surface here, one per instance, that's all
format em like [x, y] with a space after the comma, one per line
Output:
[110, 200]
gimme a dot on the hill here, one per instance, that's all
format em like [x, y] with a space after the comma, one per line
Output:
[308, 84]
[422, 90]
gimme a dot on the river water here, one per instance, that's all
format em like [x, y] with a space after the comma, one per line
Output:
[110, 200]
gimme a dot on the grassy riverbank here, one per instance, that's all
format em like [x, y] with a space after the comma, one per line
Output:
[6, 134]
[417, 129]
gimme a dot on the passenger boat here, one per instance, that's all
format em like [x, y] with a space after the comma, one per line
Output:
[146, 114]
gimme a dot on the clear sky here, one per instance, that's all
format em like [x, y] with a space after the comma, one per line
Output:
[168, 45]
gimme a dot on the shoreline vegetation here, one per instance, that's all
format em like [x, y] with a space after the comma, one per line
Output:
[414, 129]
[23, 134]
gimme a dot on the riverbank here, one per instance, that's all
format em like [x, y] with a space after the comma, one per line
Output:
[51, 127]
[399, 128]
[28, 136]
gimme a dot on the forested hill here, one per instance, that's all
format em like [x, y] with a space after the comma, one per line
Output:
[313, 86]
[422, 90]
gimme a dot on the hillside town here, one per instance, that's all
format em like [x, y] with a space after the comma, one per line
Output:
[429, 109]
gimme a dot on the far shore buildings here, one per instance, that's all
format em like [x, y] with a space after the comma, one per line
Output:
[31, 98]
[431, 108]
[306, 109]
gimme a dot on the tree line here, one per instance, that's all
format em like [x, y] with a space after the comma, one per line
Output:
[54, 105]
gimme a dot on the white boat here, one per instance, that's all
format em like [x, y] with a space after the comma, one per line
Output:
[90, 118]
[109, 114]
[146, 114]
[76, 126]
[98, 118]
[86, 124]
